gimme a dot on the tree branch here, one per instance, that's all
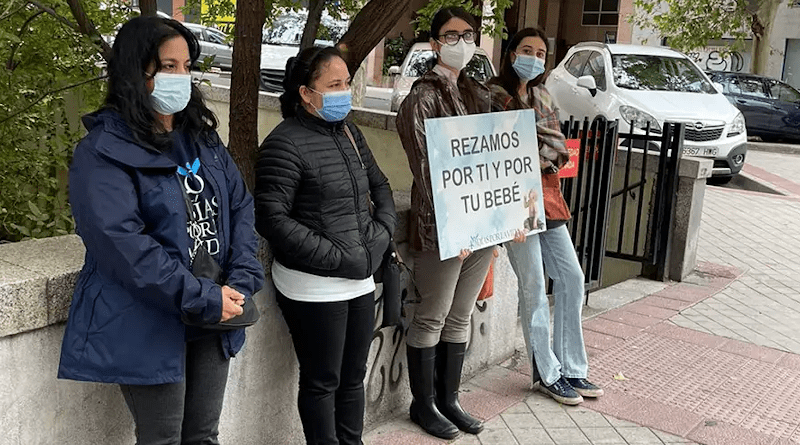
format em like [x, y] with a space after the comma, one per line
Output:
[30, 105]
[315, 8]
[57, 16]
[10, 65]
[86, 27]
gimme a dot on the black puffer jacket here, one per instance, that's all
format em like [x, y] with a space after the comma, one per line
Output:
[313, 199]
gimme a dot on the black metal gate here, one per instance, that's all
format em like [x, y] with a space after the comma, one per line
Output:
[592, 192]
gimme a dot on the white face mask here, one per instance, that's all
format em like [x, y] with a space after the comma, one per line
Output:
[171, 92]
[457, 56]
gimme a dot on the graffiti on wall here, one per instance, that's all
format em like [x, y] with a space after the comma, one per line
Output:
[720, 59]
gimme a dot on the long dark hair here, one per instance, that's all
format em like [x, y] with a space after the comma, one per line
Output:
[508, 78]
[302, 70]
[135, 49]
[466, 85]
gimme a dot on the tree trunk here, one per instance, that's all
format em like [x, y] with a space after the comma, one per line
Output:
[315, 8]
[148, 7]
[86, 27]
[369, 26]
[243, 141]
[762, 26]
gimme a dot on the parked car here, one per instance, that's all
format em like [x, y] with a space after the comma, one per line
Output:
[641, 85]
[281, 41]
[771, 108]
[213, 43]
[420, 59]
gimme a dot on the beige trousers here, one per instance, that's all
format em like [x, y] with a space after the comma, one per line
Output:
[448, 291]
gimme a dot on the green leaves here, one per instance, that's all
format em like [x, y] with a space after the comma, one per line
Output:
[493, 22]
[691, 24]
[40, 54]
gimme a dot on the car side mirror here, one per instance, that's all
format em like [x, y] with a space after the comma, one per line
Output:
[588, 83]
[718, 86]
[394, 70]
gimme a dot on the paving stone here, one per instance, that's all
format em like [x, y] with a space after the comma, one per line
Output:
[638, 435]
[607, 435]
[533, 437]
[555, 419]
[572, 436]
[521, 421]
[585, 418]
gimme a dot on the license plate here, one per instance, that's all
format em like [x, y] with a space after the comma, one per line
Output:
[700, 151]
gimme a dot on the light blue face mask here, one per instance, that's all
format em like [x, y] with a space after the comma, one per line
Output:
[335, 105]
[528, 67]
[171, 92]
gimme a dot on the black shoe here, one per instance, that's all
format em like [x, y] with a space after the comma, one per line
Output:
[562, 392]
[585, 387]
[449, 361]
[421, 367]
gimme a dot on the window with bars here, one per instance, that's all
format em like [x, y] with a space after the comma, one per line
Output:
[601, 12]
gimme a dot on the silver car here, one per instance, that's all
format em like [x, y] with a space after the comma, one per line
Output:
[213, 43]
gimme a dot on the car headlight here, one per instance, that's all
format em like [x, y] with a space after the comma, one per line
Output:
[637, 118]
[738, 125]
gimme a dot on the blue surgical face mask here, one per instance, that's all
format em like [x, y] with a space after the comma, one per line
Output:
[335, 105]
[171, 92]
[528, 67]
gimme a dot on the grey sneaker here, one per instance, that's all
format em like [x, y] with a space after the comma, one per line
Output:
[562, 392]
[585, 387]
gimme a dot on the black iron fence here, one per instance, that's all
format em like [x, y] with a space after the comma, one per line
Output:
[625, 214]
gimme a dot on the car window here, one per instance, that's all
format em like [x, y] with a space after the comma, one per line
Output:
[419, 62]
[783, 92]
[197, 33]
[658, 73]
[575, 63]
[479, 68]
[596, 68]
[730, 85]
[752, 87]
[215, 37]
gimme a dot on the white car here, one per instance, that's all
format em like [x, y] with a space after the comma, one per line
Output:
[643, 84]
[281, 41]
[419, 60]
[213, 43]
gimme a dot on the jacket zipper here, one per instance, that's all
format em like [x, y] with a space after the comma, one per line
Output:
[355, 197]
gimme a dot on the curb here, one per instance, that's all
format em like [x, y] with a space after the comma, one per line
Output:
[772, 147]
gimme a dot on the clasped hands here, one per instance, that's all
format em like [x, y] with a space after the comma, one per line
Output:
[232, 302]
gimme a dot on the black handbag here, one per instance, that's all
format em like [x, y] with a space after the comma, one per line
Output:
[205, 266]
[390, 274]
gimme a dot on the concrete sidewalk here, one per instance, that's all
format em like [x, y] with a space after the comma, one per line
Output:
[711, 360]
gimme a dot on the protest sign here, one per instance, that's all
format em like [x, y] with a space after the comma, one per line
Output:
[485, 177]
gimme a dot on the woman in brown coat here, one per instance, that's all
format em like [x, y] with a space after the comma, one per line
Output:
[438, 334]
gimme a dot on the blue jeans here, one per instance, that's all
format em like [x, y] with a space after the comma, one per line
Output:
[567, 357]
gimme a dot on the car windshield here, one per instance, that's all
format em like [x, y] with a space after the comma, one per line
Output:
[420, 61]
[287, 29]
[658, 73]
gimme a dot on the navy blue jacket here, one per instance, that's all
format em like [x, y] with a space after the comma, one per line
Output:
[125, 324]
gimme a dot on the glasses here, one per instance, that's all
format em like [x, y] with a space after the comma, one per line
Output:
[451, 38]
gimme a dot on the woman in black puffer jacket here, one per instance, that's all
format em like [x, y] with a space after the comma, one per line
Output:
[327, 211]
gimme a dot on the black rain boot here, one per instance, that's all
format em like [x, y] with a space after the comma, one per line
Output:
[449, 361]
[421, 364]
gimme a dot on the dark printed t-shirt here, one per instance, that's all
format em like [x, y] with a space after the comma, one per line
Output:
[202, 227]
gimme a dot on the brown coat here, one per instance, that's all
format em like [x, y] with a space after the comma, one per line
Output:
[552, 149]
[431, 96]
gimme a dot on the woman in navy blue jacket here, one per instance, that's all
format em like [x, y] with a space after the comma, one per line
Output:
[154, 136]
